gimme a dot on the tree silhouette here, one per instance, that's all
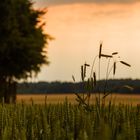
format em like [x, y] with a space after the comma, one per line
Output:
[22, 43]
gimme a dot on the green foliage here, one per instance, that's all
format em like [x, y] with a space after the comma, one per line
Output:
[67, 121]
[22, 40]
[22, 43]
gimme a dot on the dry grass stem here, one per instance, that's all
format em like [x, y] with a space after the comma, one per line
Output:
[100, 51]
[125, 63]
[114, 68]
[114, 53]
[105, 55]
[94, 76]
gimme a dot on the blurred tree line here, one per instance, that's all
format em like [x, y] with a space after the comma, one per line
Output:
[115, 86]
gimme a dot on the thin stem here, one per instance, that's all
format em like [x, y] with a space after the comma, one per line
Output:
[91, 73]
[107, 75]
[93, 65]
[111, 69]
[99, 81]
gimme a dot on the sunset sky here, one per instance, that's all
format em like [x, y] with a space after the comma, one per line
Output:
[78, 27]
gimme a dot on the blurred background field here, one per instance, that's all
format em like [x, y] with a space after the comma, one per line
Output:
[60, 98]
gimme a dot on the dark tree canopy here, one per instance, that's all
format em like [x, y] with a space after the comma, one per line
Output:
[22, 40]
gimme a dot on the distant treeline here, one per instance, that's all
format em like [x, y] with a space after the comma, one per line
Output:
[115, 86]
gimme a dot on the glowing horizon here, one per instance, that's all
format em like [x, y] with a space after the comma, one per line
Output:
[78, 29]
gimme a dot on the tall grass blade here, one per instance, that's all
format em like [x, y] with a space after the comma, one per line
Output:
[124, 63]
[114, 53]
[128, 87]
[114, 68]
[82, 73]
[94, 76]
[73, 78]
[100, 50]
[105, 55]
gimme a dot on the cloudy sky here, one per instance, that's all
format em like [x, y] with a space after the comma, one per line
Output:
[78, 27]
[55, 2]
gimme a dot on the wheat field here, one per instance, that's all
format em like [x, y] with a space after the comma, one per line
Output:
[60, 98]
[57, 117]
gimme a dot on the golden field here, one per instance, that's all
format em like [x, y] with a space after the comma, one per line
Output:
[59, 98]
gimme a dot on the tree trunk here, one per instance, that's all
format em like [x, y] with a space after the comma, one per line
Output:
[10, 95]
[8, 91]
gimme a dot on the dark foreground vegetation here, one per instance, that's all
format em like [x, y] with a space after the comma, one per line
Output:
[69, 122]
[116, 85]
